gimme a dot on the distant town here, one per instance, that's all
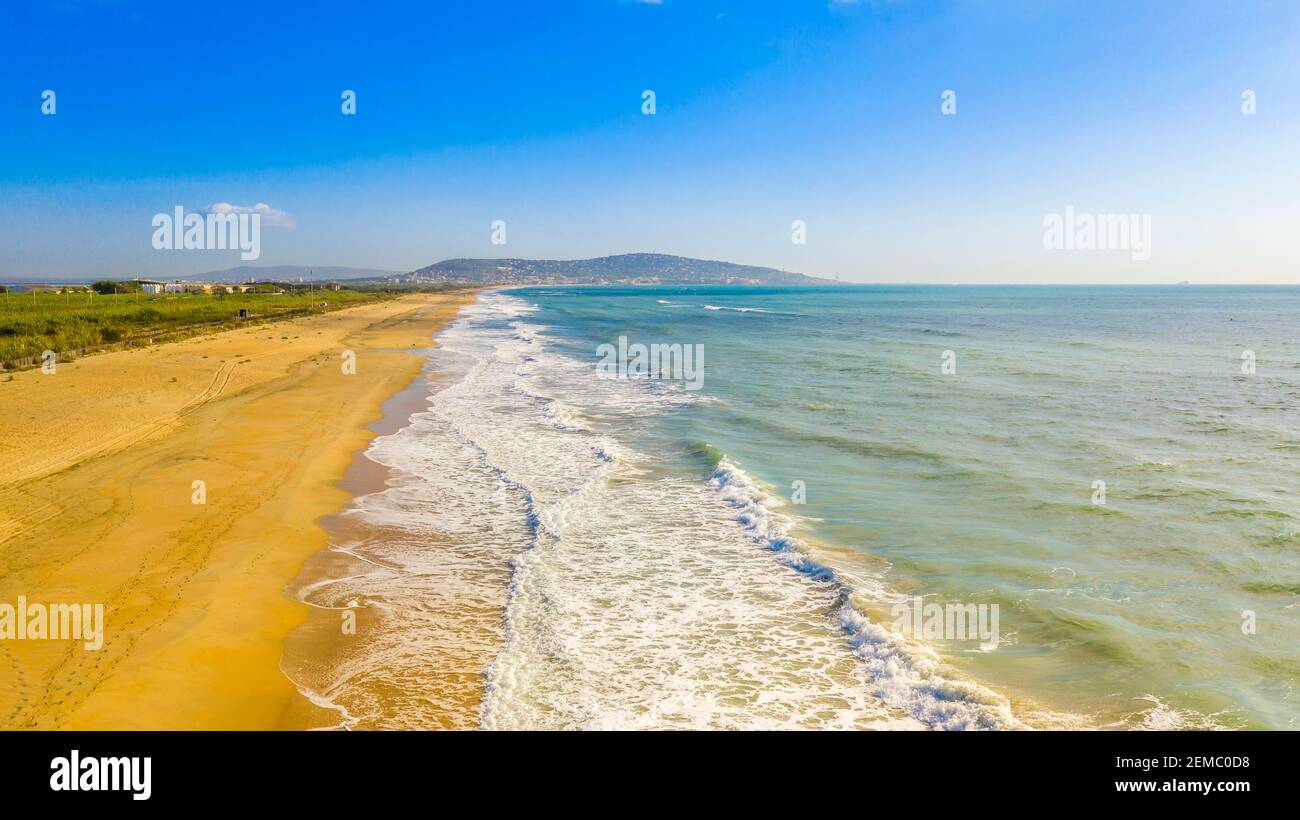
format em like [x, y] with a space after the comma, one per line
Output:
[156, 286]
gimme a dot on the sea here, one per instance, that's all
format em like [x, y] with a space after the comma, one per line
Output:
[761, 540]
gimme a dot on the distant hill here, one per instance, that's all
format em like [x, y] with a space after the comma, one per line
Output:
[290, 273]
[624, 269]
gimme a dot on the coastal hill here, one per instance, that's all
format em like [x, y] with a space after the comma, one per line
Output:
[623, 269]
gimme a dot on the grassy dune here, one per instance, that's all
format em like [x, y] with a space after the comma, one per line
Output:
[73, 323]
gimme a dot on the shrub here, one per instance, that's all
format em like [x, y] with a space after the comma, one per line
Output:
[107, 286]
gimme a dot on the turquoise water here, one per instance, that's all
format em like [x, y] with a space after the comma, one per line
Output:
[970, 487]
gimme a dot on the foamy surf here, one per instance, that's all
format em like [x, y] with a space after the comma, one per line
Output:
[737, 309]
[903, 673]
[530, 544]
[649, 596]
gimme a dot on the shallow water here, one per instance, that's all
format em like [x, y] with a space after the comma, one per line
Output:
[660, 575]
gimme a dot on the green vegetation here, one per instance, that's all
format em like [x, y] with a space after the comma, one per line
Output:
[107, 286]
[74, 323]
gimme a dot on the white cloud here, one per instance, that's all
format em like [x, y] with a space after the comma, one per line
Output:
[271, 218]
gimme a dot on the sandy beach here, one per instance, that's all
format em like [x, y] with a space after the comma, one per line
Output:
[100, 464]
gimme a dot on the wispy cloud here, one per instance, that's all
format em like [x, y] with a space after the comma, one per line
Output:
[271, 218]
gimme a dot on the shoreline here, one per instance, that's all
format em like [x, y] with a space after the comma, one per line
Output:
[99, 503]
[397, 662]
[312, 647]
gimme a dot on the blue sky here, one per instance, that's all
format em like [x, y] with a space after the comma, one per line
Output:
[767, 112]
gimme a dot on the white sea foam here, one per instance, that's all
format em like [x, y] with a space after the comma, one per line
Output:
[903, 673]
[1162, 717]
[737, 309]
[639, 595]
[432, 556]
[647, 597]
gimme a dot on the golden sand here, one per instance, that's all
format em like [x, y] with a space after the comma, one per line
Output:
[98, 464]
